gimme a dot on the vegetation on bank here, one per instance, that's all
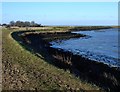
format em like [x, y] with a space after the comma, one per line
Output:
[23, 70]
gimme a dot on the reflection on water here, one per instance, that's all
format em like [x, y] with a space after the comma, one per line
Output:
[101, 45]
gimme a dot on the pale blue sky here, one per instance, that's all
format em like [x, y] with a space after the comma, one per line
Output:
[62, 13]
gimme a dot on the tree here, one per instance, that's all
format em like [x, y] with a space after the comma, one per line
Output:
[24, 24]
[37, 25]
[27, 24]
[32, 24]
[18, 23]
[12, 23]
[4, 24]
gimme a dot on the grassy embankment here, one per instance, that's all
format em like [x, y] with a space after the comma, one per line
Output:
[22, 70]
[36, 41]
[0, 59]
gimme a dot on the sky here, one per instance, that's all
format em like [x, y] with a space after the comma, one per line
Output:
[62, 13]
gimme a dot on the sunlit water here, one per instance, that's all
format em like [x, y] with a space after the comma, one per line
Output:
[101, 45]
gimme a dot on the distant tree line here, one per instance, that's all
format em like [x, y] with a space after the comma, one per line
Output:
[22, 24]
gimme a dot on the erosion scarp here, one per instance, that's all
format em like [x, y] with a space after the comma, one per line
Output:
[94, 72]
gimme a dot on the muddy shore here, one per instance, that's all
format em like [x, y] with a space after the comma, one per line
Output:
[91, 71]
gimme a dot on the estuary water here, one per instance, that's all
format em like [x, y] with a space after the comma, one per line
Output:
[98, 45]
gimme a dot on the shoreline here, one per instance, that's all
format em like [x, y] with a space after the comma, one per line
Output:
[81, 67]
[25, 70]
[109, 59]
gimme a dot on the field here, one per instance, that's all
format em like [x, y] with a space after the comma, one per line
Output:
[23, 70]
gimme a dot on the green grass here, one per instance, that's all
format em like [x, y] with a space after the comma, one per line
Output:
[0, 59]
[22, 70]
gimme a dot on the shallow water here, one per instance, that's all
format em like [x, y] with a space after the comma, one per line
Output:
[99, 45]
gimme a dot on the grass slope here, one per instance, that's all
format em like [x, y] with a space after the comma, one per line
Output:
[23, 70]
